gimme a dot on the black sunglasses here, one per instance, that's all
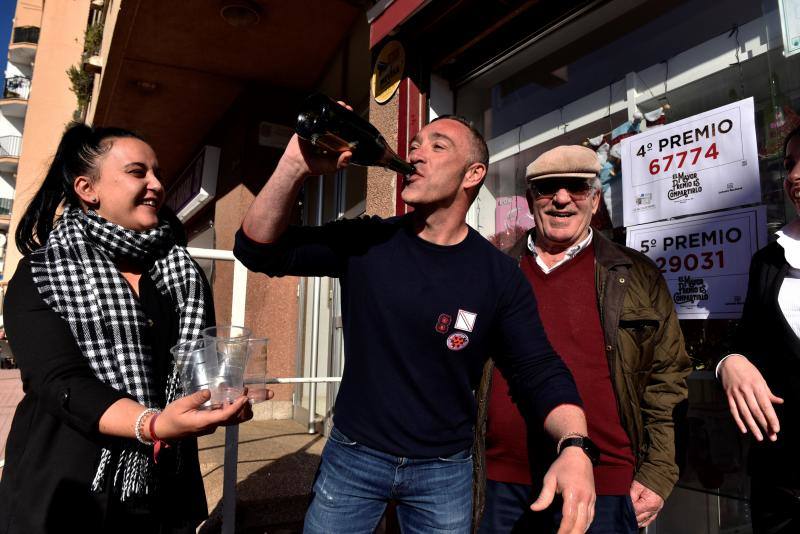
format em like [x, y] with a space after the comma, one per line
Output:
[577, 189]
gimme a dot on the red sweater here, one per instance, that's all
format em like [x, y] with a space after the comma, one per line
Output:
[568, 308]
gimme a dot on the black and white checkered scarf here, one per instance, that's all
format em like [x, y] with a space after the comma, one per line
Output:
[75, 275]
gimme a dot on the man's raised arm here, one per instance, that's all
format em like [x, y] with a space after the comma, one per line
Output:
[268, 216]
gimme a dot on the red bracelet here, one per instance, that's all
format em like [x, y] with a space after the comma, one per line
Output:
[158, 443]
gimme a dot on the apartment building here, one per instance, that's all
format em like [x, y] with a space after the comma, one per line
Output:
[14, 105]
[38, 102]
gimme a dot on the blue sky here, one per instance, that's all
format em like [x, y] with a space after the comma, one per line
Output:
[6, 14]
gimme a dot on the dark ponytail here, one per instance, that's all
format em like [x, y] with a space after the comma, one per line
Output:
[76, 155]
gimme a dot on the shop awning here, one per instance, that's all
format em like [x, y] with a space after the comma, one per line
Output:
[174, 68]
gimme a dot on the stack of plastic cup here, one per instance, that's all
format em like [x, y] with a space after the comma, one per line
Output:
[223, 361]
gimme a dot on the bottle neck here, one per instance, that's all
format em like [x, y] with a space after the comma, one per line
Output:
[399, 166]
[392, 161]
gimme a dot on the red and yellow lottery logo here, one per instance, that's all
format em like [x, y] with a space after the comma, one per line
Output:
[443, 324]
[457, 341]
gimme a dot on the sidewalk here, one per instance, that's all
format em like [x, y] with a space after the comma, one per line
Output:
[277, 462]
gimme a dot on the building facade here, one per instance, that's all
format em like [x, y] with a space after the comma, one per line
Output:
[14, 104]
[532, 75]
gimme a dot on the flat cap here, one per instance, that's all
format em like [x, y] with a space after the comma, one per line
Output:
[566, 161]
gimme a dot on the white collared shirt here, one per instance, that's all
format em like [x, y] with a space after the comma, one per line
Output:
[568, 255]
[789, 299]
[789, 294]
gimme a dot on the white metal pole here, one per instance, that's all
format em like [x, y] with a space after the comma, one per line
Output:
[238, 301]
[315, 317]
[211, 254]
[312, 390]
[229, 479]
[295, 380]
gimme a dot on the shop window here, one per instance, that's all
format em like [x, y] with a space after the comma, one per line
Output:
[700, 55]
[717, 60]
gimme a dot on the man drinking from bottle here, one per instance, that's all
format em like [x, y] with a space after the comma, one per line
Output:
[424, 300]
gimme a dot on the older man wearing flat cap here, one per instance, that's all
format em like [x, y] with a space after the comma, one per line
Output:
[608, 312]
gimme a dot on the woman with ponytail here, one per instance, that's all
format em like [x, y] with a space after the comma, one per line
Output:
[105, 289]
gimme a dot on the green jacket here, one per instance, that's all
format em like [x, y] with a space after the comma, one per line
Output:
[646, 356]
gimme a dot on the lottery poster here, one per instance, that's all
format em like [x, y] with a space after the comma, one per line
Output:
[705, 260]
[706, 162]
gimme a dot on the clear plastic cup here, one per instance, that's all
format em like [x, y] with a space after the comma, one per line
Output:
[231, 380]
[232, 347]
[255, 374]
[198, 367]
[227, 333]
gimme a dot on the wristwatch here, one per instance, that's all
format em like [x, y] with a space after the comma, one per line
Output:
[584, 443]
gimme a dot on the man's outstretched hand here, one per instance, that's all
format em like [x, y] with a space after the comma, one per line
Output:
[572, 477]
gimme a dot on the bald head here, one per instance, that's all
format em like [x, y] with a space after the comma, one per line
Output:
[479, 152]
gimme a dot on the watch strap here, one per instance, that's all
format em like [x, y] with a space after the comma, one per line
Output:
[584, 443]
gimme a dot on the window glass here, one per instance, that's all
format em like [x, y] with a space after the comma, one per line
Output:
[579, 87]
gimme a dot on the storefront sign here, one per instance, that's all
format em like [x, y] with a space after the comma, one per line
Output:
[196, 186]
[702, 163]
[790, 26]
[705, 260]
[388, 71]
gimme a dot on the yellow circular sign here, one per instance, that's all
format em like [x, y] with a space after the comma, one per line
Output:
[388, 71]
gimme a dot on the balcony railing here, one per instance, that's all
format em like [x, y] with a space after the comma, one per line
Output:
[26, 34]
[5, 206]
[17, 87]
[10, 146]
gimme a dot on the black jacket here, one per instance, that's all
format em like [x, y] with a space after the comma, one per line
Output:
[54, 445]
[769, 342]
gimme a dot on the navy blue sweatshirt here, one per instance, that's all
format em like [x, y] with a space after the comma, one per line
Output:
[419, 322]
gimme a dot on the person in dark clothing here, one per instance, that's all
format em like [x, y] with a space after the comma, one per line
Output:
[103, 441]
[767, 370]
[425, 299]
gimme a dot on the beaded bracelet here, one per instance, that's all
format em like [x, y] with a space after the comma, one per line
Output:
[138, 426]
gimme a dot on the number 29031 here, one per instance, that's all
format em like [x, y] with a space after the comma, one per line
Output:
[692, 262]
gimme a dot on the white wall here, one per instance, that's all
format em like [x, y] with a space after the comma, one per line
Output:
[7, 185]
[441, 98]
[11, 125]
[18, 69]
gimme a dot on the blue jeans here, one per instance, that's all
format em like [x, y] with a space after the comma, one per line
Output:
[507, 511]
[354, 483]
